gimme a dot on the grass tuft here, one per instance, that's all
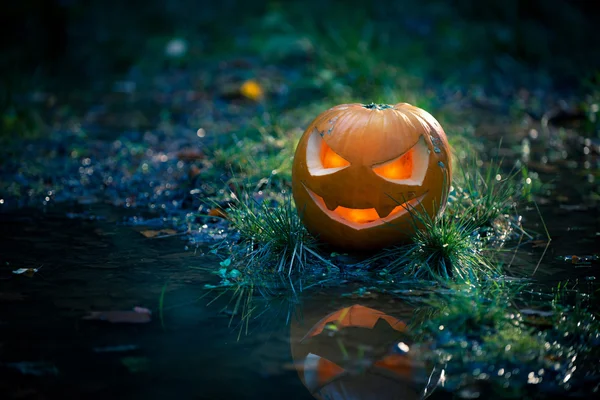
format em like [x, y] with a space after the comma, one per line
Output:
[272, 237]
[448, 247]
[484, 191]
[444, 248]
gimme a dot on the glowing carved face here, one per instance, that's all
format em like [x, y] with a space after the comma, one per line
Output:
[358, 170]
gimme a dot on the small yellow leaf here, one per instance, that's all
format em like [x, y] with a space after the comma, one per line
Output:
[252, 90]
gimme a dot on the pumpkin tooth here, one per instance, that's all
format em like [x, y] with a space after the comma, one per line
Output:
[384, 210]
[331, 204]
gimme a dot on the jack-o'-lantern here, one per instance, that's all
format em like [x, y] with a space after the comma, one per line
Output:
[360, 170]
[354, 353]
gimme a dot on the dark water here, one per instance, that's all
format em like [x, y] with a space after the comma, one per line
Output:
[101, 265]
[191, 352]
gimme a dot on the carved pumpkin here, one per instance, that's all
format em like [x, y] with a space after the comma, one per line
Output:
[347, 355]
[359, 169]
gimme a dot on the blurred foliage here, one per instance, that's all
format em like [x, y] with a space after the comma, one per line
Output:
[457, 40]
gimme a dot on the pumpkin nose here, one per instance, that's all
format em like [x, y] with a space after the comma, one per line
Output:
[384, 210]
[331, 203]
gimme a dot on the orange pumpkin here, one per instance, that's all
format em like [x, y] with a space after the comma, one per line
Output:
[359, 169]
[346, 355]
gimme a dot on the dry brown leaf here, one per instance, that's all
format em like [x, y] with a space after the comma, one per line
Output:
[217, 212]
[190, 155]
[194, 171]
[150, 233]
[539, 243]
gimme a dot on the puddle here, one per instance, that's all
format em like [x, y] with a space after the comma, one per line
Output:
[47, 348]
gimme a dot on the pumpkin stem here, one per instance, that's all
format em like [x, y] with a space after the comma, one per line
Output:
[377, 106]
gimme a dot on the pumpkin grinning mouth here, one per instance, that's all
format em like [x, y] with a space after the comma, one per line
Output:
[361, 218]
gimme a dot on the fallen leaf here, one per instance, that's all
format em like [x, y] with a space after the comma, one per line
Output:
[252, 90]
[150, 233]
[217, 212]
[528, 311]
[547, 168]
[29, 272]
[138, 315]
[194, 171]
[190, 155]
[539, 243]
[581, 260]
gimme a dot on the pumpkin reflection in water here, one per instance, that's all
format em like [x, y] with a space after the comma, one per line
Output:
[359, 169]
[354, 353]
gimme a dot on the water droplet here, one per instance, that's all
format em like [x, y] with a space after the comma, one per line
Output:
[441, 164]
[403, 347]
[533, 134]
[437, 150]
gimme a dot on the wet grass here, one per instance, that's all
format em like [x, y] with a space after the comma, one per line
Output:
[445, 248]
[272, 236]
[482, 192]
[261, 156]
[488, 344]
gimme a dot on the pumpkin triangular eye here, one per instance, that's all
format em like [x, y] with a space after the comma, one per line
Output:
[331, 159]
[408, 169]
[400, 168]
[321, 159]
